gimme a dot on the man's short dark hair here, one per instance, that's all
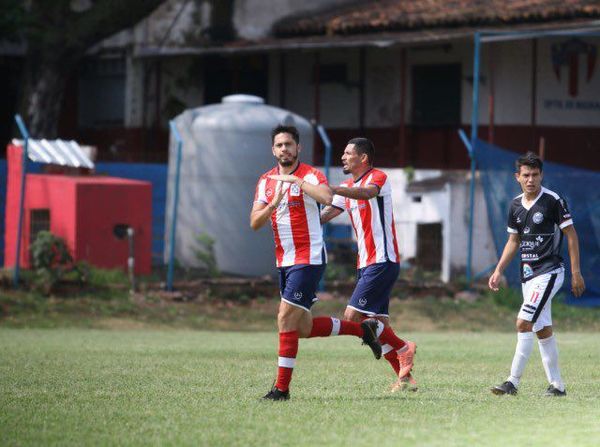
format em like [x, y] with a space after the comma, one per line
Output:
[285, 129]
[364, 146]
[531, 160]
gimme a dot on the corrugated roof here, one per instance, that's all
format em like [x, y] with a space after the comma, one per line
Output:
[400, 15]
[57, 152]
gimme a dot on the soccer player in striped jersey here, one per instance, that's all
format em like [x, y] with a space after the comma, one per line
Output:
[289, 197]
[367, 196]
[537, 220]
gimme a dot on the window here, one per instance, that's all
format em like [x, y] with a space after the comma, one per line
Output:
[39, 221]
[226, 76]
[429, 246]
[436, 95]
[102, 93]
[332, 74]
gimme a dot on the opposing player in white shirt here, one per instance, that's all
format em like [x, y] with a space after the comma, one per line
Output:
[537, 220]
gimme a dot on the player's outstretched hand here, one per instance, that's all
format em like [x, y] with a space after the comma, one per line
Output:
[577, 284]
[494, 282]
[284, 178]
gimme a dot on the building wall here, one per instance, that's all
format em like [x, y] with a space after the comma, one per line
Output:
[448, 206]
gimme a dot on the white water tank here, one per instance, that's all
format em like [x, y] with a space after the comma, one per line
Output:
[226, 147]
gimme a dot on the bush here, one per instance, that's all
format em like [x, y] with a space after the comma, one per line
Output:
[52, 262]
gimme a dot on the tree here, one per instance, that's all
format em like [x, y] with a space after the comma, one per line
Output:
[57, 35]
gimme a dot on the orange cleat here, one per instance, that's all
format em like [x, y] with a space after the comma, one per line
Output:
[406, 359]
[406, 383]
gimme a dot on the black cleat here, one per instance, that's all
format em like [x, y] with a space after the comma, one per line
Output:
[552, 391]
[505, 388]
[369, 337]
[277, 394]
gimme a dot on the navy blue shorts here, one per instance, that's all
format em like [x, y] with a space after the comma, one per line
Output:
[373, 288]
[298, 284]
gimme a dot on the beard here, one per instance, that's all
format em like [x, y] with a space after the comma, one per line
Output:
[288, 162]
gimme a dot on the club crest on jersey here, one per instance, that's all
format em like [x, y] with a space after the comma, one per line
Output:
[362, 301]
[527, 271]
[538, 218]
[269, 192]
[294, 190]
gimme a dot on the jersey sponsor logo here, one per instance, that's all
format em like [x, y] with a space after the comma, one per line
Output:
[362, 301]
[527, 271]
[538, 218]
[527, 245]
[530, 256]
[518, 220]
[526, 230]
[295, 190]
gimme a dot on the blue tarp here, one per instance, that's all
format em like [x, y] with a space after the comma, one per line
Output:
[581, 190]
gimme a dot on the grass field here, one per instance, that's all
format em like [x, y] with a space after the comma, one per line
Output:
[87, 387]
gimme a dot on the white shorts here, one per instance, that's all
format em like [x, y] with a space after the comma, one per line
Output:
[537, 298]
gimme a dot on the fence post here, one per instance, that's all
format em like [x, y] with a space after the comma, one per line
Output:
[175, 205]
[25, 134]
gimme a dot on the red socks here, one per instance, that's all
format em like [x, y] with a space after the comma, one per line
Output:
[390, 344]
[288, 348]
[322, 327]
[329, 326]
[392, 358]
[388, 337]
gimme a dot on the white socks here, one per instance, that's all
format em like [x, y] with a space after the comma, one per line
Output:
[549, 353]
[522, 353]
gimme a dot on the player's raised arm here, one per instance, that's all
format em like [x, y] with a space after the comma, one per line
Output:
[261, 211]
[577, 282]
[510, 250]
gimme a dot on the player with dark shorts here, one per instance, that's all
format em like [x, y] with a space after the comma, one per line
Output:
[289, 196]
[537, 220]
[367, 197]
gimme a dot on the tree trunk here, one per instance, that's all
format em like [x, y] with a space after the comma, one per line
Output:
[43, 96]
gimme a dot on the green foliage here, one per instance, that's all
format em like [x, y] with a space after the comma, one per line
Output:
[52, 262]
[336, 271]
[507, 297]
[409, 172]
[205, 253]
[12, 19]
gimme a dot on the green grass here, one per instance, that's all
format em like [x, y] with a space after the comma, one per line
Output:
[172, 387]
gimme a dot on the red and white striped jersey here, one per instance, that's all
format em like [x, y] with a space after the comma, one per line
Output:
[373, 220]
[296, 223]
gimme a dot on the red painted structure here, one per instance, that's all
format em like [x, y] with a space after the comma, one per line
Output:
[83, 210]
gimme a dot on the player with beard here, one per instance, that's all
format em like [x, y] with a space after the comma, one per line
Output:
[289, 196]
[367, 196]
